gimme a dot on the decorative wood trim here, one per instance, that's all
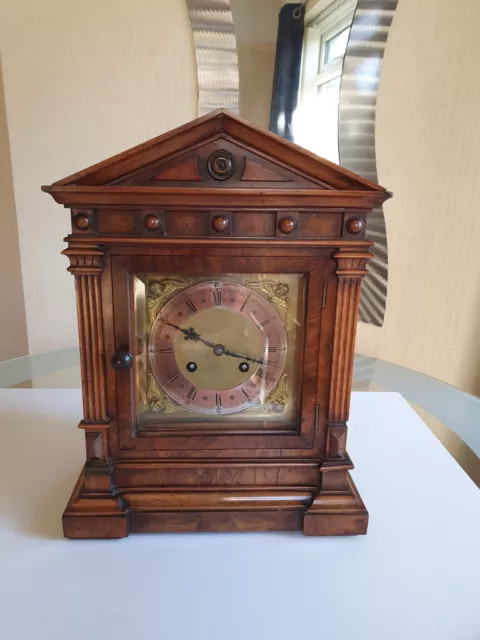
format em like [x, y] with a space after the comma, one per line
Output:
[351, 269]
[336, 440]
[83, 220]
[86, 264]
[195, 521]
[85, 259]
[228, 243]
[98, 477]
[96, 440]
[221, 123]
[185, 170]
[338, 508]
[131, 475]
[98, 512]
[225, 197]
[178, 476]
[257, 172]
[245, 498]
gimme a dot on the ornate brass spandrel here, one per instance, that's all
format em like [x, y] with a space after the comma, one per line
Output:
[159, 291]
[157, 400]
[277, 293]
[276, 400]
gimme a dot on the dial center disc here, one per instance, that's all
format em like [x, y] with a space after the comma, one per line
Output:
[227, 330]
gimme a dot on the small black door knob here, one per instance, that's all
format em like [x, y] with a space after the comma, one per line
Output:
[121, 360]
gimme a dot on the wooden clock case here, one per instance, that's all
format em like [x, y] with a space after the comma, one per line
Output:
[216, 195]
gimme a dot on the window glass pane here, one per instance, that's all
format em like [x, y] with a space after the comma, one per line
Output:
[336, 46]
[316, 120]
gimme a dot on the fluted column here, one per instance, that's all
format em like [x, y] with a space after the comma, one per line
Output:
[350, 271]
[86, 264]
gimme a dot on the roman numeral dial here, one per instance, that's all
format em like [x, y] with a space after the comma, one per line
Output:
[226, 348]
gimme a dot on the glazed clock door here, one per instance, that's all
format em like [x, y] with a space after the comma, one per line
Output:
[222, 351]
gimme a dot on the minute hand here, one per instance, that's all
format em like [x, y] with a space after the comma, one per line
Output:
[247, 358]
[191, 334]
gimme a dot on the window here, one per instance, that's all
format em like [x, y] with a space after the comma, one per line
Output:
[326, 37]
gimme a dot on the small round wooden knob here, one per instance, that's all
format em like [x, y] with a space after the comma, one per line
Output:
[220, 224]
[287, 224]
[121, 360]
[82, 221]
[355, 225]
[151, 222]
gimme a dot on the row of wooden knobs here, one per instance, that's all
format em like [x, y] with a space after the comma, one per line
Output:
[286, 224]
[220, 224]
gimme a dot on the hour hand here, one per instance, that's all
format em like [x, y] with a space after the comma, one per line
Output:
[191, 334]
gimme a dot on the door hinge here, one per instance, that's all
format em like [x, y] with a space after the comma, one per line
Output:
[324, 295]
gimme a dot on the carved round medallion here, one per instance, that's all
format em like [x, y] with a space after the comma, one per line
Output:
[355, 225]
[221, 165]
[82, 221]
[220, 224]
[287, 224]
[151, 222]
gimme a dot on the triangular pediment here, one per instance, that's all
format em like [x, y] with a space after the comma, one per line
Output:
[219, 150]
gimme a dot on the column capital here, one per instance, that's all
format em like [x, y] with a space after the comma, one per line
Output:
[352, 263]
[85, 259]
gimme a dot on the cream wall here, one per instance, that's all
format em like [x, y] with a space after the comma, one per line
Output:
[428, 152]
[13, 328]
[83, 80]
[256, 25]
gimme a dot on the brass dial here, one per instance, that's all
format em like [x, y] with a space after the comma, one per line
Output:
[218, 347]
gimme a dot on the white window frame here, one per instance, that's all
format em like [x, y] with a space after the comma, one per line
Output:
[323, 21]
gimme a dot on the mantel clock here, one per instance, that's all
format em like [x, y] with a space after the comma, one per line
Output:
[217, 272]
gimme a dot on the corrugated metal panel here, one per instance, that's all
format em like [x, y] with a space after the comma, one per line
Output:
[216, 50]
[356, 132]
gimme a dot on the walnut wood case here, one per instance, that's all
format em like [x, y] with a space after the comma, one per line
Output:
[216, 195]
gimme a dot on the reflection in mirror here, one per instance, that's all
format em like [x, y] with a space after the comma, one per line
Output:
[256, 25]
[308, 71]
[290, 59]
[315, 124]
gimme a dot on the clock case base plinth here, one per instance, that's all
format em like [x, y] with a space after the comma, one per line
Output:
[100, 509]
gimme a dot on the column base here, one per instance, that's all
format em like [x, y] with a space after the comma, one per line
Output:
[94, 515]
[336, 510]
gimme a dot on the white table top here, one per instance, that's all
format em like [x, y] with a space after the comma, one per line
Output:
[415, 575]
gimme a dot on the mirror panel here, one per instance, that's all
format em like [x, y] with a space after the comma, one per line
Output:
[309, 72]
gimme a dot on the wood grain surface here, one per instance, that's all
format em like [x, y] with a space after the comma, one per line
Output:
[203, 200]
